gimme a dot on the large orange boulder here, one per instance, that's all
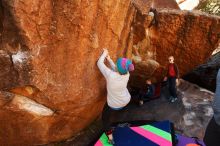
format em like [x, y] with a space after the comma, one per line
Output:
[145, 5]
[189, 36]
[48, 59]
[53, 46]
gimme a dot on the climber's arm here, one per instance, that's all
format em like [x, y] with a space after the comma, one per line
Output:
[101, 65]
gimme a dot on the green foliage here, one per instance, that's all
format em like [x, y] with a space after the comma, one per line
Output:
[210, 6]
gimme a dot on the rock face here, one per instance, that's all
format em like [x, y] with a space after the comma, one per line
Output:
[48, 59]
[54, 46]
[205, 74]
[145, 5]
[190, 37]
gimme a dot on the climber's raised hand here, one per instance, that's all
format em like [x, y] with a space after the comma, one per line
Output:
[105, 51]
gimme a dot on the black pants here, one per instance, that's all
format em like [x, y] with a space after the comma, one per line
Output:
[212, 134]
[109, 116]
[172, 86]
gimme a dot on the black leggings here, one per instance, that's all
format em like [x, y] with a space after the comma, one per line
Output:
[109, 116]
[212, 134]
[172, 86]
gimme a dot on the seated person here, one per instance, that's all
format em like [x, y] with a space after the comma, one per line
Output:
[146, 92]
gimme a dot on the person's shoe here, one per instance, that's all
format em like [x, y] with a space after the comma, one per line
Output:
[170, 98]
[111, 142]
[173, 100]
[110, 139]
[141, 102]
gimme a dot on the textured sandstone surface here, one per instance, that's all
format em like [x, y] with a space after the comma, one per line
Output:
[145, 5]
[205, 74]
[54, 46]
[49, 51]
[190, 37]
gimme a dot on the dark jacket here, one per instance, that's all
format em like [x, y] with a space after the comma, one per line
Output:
[216, 101]
[147, 91]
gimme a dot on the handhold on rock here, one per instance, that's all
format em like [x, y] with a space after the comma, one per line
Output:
[25, 90]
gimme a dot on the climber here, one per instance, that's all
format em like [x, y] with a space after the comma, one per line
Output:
[173, 78]
[212, 134]
[152, 17]
[117, 93]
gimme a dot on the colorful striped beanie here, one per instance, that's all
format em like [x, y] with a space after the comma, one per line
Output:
[124, 65]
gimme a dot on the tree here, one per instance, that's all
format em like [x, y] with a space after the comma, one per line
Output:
[210, 6]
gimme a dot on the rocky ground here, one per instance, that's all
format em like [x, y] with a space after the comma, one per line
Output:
[190, 114]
